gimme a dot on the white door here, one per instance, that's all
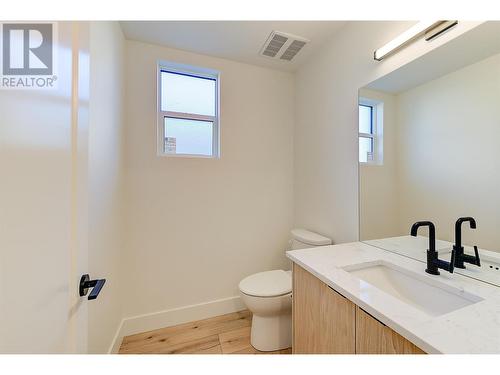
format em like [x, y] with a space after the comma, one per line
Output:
[43, 218]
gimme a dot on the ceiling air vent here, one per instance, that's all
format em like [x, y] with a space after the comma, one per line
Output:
[292, 50]
[282, 46]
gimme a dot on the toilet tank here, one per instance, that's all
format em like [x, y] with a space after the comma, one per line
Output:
[302, 239]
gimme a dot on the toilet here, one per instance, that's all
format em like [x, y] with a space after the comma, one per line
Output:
[268, 295]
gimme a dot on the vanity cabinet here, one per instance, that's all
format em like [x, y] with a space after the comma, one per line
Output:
[326, 322]
[374, 337]
[323, 320]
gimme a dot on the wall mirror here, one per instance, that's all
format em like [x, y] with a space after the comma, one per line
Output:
[429, 149]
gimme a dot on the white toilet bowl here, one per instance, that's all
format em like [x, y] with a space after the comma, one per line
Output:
[268, 295]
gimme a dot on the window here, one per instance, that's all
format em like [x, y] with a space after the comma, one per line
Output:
[365, 133]
[188, 111]
[370, 131]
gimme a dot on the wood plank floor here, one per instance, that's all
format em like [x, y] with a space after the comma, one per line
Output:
[224, 334]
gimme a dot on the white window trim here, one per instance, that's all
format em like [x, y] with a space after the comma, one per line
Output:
[198, 72]
[378, 130]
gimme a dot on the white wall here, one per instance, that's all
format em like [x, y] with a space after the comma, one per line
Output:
[449, 158]
[105, 180]
[195, 226]
[326, 154]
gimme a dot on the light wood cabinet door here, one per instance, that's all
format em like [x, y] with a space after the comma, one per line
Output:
[374, 337]
[323, 320]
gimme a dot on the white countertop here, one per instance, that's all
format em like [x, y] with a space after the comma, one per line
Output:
[471, 329]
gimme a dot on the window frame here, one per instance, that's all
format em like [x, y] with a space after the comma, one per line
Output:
[376, 134]
[197, 72]
[371, 135]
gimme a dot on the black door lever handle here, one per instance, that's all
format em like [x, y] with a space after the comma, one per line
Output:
[86, 283]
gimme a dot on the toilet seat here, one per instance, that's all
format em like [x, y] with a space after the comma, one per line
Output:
[267, 284]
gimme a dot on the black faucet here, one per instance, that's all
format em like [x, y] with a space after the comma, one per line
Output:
[460, 257]
[433, 262]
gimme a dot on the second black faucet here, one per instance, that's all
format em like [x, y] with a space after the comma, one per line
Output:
[460, 256]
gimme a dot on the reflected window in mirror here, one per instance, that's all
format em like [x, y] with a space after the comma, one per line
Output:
[370, 131]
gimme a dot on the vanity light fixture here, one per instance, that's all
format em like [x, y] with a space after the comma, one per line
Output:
[431, 29]
[440, 29]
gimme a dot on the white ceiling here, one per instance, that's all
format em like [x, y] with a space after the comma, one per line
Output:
[234, 40]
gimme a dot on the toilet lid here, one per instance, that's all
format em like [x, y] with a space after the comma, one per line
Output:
[267, 284]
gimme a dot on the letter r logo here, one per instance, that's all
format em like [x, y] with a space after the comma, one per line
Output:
[27, 49]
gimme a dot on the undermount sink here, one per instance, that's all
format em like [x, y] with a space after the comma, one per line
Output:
[429, 296]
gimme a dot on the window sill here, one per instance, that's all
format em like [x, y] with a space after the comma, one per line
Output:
[188, 156]
[371, 164]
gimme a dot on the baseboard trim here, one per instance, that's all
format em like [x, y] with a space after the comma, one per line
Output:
[172, 317]
[117, 340]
